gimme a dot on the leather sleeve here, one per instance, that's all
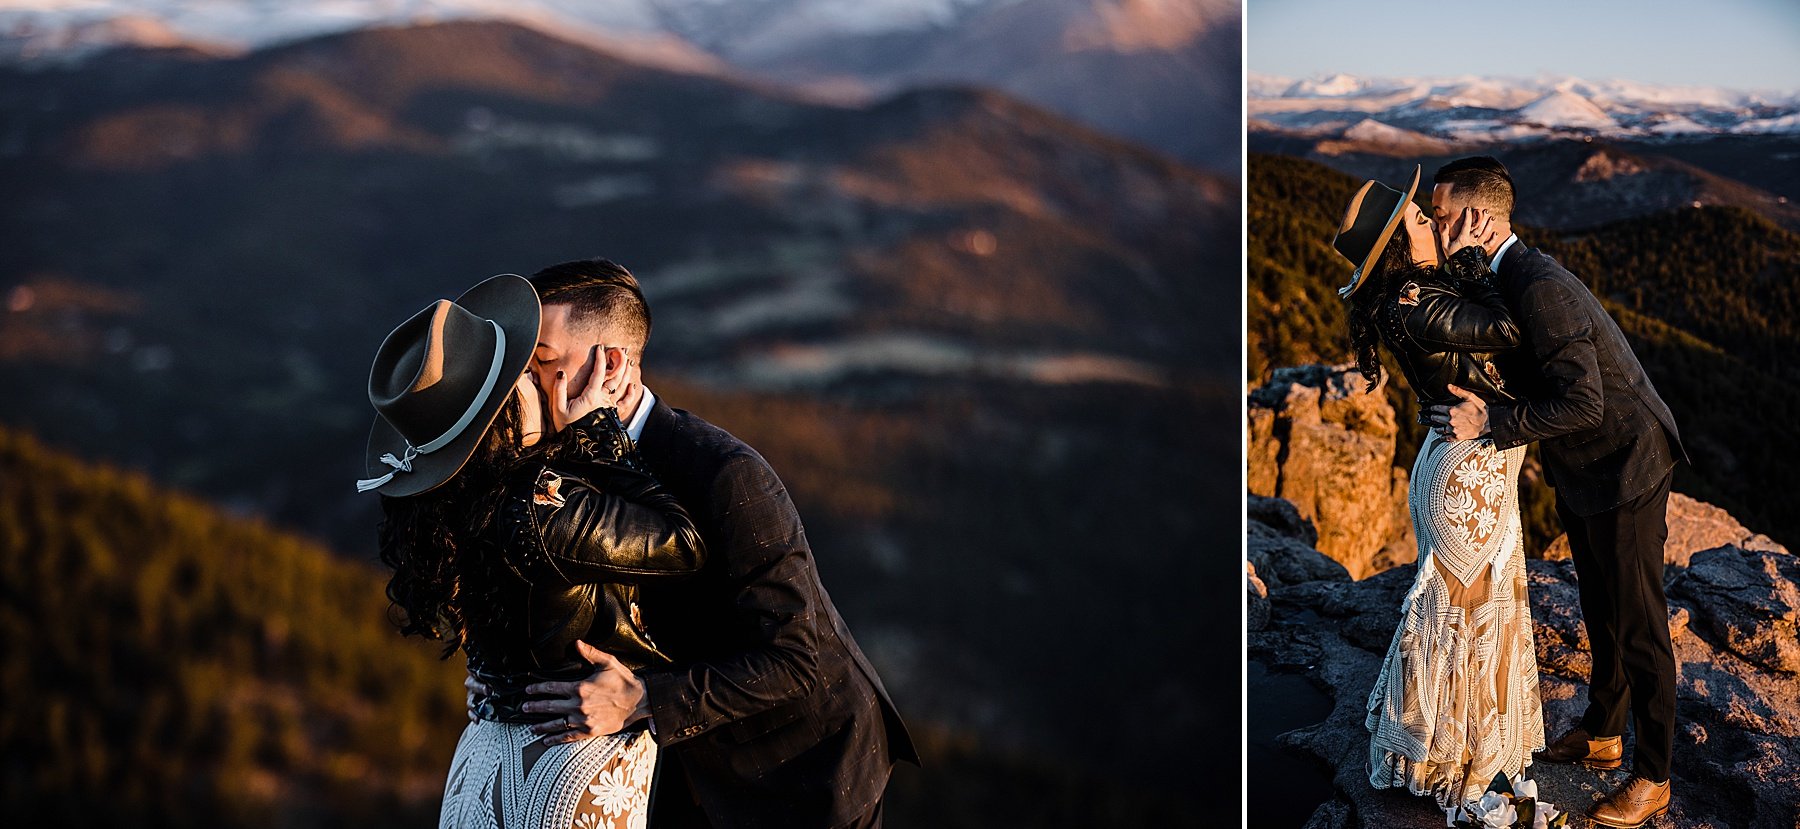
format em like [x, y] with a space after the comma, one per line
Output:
[778, 604]
[1562, 336]
[618, 524]
[608, 521]
[1468, 315]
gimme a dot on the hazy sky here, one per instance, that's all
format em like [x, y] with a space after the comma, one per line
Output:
[1746, 44]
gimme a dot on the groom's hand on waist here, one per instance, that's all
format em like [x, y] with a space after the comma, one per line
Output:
[609, 700]
[1467, 420]
[478, 693]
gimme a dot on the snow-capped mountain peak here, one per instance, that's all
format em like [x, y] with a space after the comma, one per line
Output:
[63, 30]
[1564, 108]
[1334, 86]
[1507, 109]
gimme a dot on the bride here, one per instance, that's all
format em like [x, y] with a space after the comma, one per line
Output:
[1457, 699]
[517, 527]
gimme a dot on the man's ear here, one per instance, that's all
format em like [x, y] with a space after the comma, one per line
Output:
[618, 362]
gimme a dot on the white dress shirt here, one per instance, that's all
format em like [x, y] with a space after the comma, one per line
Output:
[634, 428]
[1494, 263]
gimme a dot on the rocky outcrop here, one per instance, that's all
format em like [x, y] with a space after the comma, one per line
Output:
[1279, 547]
[1733, 621]
[1319, 441]
[1694, 525]
[1745, 602]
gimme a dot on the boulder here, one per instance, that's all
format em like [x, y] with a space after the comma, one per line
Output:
[1280, 515]
[1746, 602]
[1322, 439]
[1282, 559]
[1733, 615]
[1263, 457]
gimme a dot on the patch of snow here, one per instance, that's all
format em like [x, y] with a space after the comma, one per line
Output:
[1563, 108]
[1676, 125]
[602, 189]
[487, 132]
[1335, 86]
[1372, 130]
[1789, 123]
[1481, 130]
[918, 354]
[807, 300]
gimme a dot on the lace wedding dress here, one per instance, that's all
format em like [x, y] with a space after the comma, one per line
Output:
[502, 777]
[1457, 699]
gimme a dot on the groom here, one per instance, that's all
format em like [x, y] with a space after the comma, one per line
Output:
[770, 716]
[1608, 445]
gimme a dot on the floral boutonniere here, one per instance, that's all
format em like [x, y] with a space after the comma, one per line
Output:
[1508, 804]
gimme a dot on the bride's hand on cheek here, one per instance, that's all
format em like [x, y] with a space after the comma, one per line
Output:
[1475, 228]
[601, 386]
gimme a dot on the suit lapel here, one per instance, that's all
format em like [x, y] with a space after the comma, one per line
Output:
[1508, 271]
[1510, 262]
[659, 428]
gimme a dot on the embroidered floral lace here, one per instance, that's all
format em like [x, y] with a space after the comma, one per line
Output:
[502, 777]
[1457, 698]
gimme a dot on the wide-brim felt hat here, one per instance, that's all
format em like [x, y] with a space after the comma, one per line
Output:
[1368, 224]
[439, 380]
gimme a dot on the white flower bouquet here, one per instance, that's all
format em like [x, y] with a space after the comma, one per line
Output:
[1508, 804]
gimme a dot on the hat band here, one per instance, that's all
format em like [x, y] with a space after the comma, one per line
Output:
[405, 461]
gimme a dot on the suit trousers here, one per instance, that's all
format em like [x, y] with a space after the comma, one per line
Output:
[673, 805]
[1618, 557]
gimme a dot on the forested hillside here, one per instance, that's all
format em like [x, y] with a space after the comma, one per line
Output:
[166, 661]
[184, 667]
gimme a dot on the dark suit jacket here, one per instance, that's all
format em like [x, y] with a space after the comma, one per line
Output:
[1604, 433]
[770, 709]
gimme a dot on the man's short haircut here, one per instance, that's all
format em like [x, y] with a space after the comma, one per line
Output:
[1482, 180]
[597, 291]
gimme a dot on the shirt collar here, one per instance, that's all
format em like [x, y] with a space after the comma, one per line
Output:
[635, 429]
[1494, 264]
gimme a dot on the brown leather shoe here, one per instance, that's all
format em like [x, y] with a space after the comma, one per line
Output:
[1633, 804]
[1578, 746]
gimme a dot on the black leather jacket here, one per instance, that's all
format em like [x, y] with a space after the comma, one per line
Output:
[1445, 326]
[578, 534]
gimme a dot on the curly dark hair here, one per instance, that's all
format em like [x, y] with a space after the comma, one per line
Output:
[444, 568]
[1378, 285]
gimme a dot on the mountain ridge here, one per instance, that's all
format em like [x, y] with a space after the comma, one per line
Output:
[1476, 110]
[1108, 63]
[939, 315]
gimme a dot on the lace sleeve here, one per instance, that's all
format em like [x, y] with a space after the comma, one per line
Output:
[598, 438]
[1470, 265]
